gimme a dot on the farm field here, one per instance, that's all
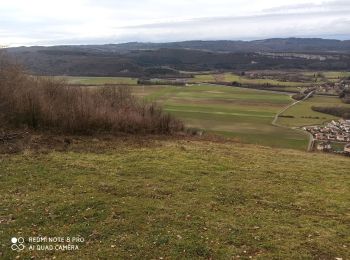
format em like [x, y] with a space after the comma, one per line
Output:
[332, 76]
[99, 80]
[310, 78]
[231, 77]
[244, 114]
[213, 78]
[177, 199]
[304, 115]
[336, 75]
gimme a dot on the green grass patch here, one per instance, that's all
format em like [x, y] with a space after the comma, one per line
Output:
[303, 114]
[244, 114]
[336, 74]
[231, 77]
[178, 200]
[331, 76]
[100, 80]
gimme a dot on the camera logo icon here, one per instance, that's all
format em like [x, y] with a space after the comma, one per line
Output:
[17, 243]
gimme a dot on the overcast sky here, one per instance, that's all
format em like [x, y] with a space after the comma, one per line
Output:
[45, 22]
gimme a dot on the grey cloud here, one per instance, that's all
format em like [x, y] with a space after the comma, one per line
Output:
[328, 6]
[232, 20]
[330, 19]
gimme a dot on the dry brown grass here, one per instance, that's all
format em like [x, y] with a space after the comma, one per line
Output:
[46, 103]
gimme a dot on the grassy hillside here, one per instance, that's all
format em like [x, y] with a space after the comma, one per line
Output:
[177, 199]
[244, 114]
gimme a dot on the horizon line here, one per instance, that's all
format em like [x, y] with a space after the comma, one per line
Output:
[180, 41]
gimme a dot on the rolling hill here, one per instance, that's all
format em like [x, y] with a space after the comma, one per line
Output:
[133, 59]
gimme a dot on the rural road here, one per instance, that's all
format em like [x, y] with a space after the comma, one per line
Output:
[274, 121]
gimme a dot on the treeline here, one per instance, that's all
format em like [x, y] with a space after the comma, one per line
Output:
[343, 112]
[45, 103]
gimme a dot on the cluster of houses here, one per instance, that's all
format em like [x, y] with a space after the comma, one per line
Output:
[333, 88]
[344, 84]
[335, 131]
[329, 88]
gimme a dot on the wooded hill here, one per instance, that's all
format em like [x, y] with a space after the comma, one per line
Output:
[147, 59]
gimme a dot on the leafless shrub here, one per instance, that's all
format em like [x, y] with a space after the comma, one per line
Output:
[46, 103]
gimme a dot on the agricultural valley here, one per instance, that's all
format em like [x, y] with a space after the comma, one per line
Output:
[242, 107]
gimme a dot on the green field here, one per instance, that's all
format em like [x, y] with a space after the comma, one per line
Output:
[336, 74]
[231, 77]
[177, 200]
[244, 114]
[332, 76]
[304, 115]
[99, 80]
[211, 77]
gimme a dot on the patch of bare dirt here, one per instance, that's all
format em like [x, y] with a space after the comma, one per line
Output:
[15, 141]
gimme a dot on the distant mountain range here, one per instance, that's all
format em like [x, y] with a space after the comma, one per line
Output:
[135, 59]
[274, 45]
